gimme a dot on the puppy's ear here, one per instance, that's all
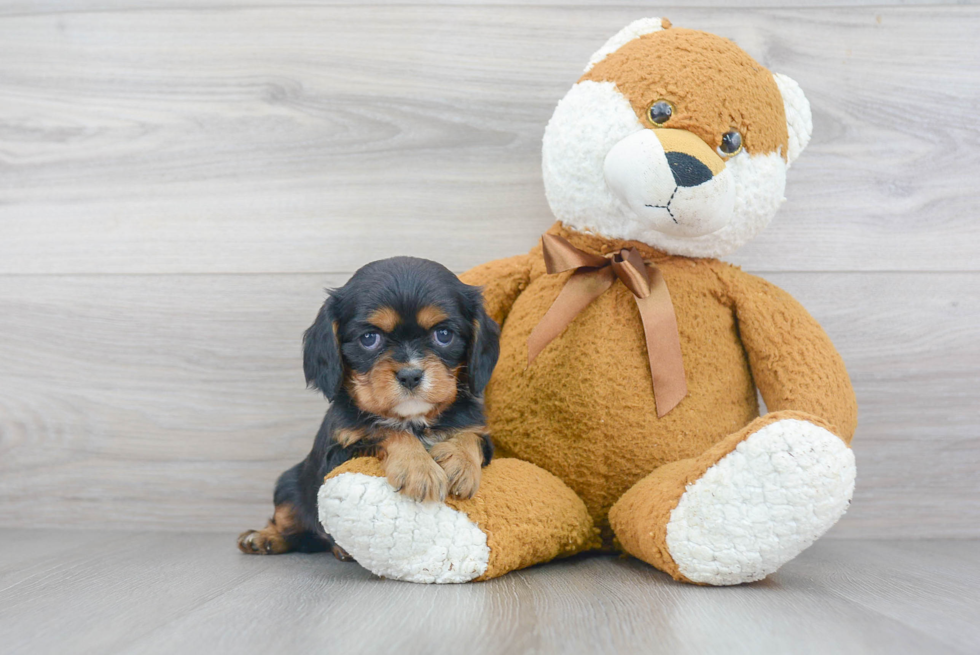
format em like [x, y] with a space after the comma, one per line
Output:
[484, 347]
[322, 363]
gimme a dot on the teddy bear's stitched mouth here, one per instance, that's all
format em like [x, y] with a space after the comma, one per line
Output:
[667, 206]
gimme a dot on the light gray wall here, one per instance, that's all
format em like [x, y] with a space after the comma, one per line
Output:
[178, 184]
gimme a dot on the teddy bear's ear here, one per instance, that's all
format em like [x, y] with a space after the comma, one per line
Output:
[799, 121]
[632, 31]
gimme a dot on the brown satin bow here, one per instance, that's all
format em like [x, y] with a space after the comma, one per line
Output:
[593, 275]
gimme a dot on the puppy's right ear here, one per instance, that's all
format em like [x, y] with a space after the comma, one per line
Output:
[322, 363]
[485, 346]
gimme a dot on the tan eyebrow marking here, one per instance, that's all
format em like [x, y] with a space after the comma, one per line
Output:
[385, 318]
[430, 316]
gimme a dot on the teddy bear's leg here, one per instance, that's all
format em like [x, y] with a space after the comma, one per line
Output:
[744, 507]
[521, 515]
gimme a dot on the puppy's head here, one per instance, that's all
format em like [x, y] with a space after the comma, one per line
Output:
[403, 337]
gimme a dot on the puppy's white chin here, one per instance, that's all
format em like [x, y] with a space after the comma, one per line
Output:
[412, 408]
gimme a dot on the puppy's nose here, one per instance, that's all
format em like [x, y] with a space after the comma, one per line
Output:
[410, 377]
[687, 170]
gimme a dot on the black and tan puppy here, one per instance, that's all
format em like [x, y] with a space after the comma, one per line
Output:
[403, 352]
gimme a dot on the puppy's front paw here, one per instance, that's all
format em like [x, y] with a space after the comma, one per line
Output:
[461, 467]
[419, 478]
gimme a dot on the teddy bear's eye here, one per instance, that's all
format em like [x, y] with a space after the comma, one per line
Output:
[731, 143]
[660, 112]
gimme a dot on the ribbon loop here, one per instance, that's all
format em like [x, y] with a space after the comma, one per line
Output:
[592, 277]
[561, 256]
[632, 271]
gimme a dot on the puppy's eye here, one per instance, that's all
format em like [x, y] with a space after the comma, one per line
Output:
[443, 337]
[731, 143]
[660, 112]
[370, 340]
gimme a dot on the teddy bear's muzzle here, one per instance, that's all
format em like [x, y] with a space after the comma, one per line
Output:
[673, 180]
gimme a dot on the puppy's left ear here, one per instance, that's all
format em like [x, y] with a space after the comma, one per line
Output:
[484, 347]
[322, 362]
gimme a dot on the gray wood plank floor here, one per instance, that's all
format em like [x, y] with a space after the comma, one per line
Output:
[99, 592]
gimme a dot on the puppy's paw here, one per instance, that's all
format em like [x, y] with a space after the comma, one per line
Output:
[262, 542]
[419, 478]
[461, 467]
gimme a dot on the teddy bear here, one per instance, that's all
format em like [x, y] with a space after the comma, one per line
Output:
[624, 405]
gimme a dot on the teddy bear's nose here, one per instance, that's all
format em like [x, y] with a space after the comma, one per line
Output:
[687, 170]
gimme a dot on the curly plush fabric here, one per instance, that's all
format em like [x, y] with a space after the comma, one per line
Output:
[396, 537]
[632, 31]
[520, 516]
[584, 410]
[799, 120]
[746, 505]
[762, 504]
[713, 85]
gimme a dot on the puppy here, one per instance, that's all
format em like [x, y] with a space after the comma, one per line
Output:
[403, 351]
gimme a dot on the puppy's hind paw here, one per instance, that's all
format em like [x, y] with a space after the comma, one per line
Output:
[341, 554]
[262, 542]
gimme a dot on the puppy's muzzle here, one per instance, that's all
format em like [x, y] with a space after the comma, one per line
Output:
[672, 180]
[410, 377]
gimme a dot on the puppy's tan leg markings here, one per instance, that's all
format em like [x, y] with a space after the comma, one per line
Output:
[411, 470]
[270, 540]
[345, 436]
[461, 457]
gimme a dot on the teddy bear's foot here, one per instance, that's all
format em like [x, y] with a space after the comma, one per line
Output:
[762, 504]
[738, 519]
[521, 515]
[396, 537]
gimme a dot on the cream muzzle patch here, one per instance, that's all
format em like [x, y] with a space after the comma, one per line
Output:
[671, 180]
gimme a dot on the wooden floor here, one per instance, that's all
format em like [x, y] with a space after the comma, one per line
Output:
[99, 592]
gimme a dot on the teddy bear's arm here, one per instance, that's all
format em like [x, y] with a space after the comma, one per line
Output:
[502, 281]
[793, 361]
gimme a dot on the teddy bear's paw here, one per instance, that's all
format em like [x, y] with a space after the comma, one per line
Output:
[396, 537]
[762, 504]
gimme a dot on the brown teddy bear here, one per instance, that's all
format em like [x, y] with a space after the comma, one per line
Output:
[624, 402]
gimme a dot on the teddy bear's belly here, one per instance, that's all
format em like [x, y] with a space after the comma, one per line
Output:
[585, 408]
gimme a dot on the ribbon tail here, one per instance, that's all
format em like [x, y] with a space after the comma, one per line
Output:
[663, 344]
[584, 286]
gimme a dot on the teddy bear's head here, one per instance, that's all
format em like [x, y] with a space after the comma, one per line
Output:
[675, 138]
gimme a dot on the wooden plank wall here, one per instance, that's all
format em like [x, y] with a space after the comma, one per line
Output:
[178, 183]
